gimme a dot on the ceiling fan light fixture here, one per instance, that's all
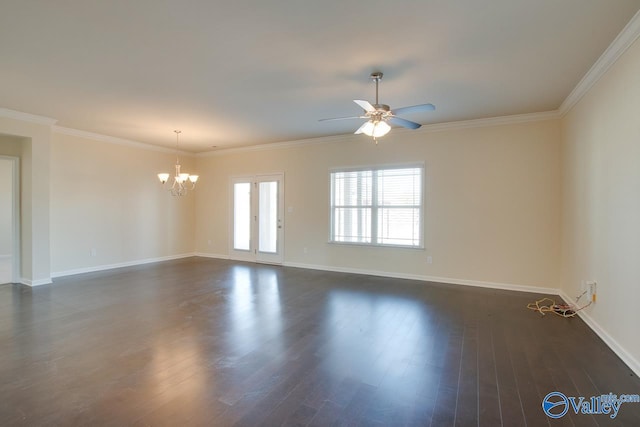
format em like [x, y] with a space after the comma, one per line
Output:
[376, 129]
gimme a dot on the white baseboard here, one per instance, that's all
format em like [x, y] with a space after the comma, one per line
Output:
[120, 265]
[207, 255]
[614, 345]
[449, 280]
[37, 282]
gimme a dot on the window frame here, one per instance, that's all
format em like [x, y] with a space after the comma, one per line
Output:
[375, 207]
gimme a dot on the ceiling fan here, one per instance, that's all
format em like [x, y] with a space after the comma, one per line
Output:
[379, 116]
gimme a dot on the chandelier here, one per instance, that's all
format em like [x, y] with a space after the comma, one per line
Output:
[182, 182]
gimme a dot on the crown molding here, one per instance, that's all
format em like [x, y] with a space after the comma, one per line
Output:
[118, 141]
[436, 127]
[277, 145]
[489, 121]
[26, 117]
[620, 44]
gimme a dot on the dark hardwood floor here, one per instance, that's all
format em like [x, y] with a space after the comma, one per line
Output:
[218, 343]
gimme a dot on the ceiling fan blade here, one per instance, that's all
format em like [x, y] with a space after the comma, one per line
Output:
[365, 105]
[342, 118]
[403, 122]
[414, 109]
[361, 128]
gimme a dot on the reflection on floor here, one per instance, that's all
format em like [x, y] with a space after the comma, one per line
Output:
[217, 343]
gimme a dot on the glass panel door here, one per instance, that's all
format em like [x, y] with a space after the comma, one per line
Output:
[268, 214]
[270, 224]
[257, 232]
[241, 219]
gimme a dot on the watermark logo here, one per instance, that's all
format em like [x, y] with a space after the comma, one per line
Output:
[557, 404]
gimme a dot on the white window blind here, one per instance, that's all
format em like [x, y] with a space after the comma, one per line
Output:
[377, 206]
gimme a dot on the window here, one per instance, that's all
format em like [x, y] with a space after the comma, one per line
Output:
[378, 206]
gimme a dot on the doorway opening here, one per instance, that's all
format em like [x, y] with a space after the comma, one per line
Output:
[9, 220]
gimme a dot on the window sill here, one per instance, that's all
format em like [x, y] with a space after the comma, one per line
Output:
[374, 245]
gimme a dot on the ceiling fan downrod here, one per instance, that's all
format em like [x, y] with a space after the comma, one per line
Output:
[376, 76]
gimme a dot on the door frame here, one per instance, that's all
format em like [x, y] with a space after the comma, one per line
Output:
[15, 217]
[252, 254]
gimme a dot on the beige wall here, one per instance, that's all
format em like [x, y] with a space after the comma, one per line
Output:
[492, 202]
[601, 209]
[10, 146]
[107, 197]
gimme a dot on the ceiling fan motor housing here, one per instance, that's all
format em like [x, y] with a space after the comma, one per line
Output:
[376, 76]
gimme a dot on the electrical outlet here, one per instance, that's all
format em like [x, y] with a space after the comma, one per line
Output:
[429, 260]
[591, 288]
[93, 252]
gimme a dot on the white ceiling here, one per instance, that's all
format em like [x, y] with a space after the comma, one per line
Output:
[234, 73]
